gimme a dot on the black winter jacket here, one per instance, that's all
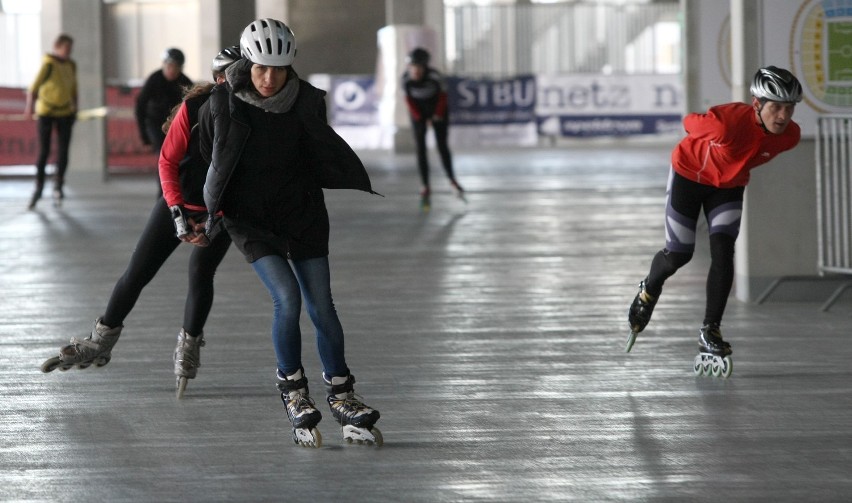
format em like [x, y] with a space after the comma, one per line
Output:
[224, 126]
[156, 100]
[192, 168]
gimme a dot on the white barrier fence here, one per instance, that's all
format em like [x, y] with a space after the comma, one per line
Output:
[834, 193]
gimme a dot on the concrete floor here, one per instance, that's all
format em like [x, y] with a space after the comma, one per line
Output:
[491, 337]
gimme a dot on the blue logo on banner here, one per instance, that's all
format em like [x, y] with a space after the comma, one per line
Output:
[492, 101]
[353, 101]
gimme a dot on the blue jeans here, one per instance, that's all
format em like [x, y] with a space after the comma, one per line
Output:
[287, 282]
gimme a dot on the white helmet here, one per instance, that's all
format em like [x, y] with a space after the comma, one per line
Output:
[268, 42]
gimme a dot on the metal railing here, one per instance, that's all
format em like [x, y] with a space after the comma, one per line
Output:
[561, 38]
[834, 208]
[834, 188]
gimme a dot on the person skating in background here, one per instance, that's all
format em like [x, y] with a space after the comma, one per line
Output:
[710, 169]
[162, 91]
[426, 97]
[272, 152]
[177, 216]
[53, 97]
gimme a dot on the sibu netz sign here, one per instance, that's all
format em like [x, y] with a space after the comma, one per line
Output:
[487, 101]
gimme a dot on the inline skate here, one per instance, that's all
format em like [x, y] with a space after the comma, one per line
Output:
[81, 353]
[187, 359]
[458, 191]
[301, 411]
[425, 199]
[356, 418]
[714, 354]
[58, 196]
[639, 313]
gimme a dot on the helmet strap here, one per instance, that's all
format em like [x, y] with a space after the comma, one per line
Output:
[760, 117]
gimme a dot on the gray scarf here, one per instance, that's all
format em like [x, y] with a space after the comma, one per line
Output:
[279, 103]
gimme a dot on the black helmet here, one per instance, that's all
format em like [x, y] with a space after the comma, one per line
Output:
[419, 56]
[174, 55]
[224, 59]
[776, 84]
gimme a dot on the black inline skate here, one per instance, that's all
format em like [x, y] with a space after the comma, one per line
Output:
[639, 313]
[356, 418]
[714, 354]
[301, 411]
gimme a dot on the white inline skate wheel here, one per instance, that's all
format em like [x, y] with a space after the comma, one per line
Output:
[696, 365]
[716, 367]
[727, 367]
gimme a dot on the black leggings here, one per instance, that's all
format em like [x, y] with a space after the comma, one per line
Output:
[63, 136]
[723, 210]
[155, 245]
[441, 129]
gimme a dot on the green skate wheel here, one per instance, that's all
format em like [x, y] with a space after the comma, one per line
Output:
[631, 339]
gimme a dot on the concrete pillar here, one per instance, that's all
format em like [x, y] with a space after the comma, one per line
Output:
[222, 23]
[276, 9]
[84, 22]
[691, 61]
[408, 14]
[404, 12]
[778, 232]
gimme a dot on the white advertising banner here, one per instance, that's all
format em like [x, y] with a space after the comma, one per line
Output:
[598, 105]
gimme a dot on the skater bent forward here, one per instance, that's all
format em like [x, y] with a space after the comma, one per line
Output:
[426, 97]
[710, 169]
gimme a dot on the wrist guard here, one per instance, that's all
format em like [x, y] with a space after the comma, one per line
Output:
[182, 228]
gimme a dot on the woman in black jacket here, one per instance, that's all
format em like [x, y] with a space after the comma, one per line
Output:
[272, 152]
